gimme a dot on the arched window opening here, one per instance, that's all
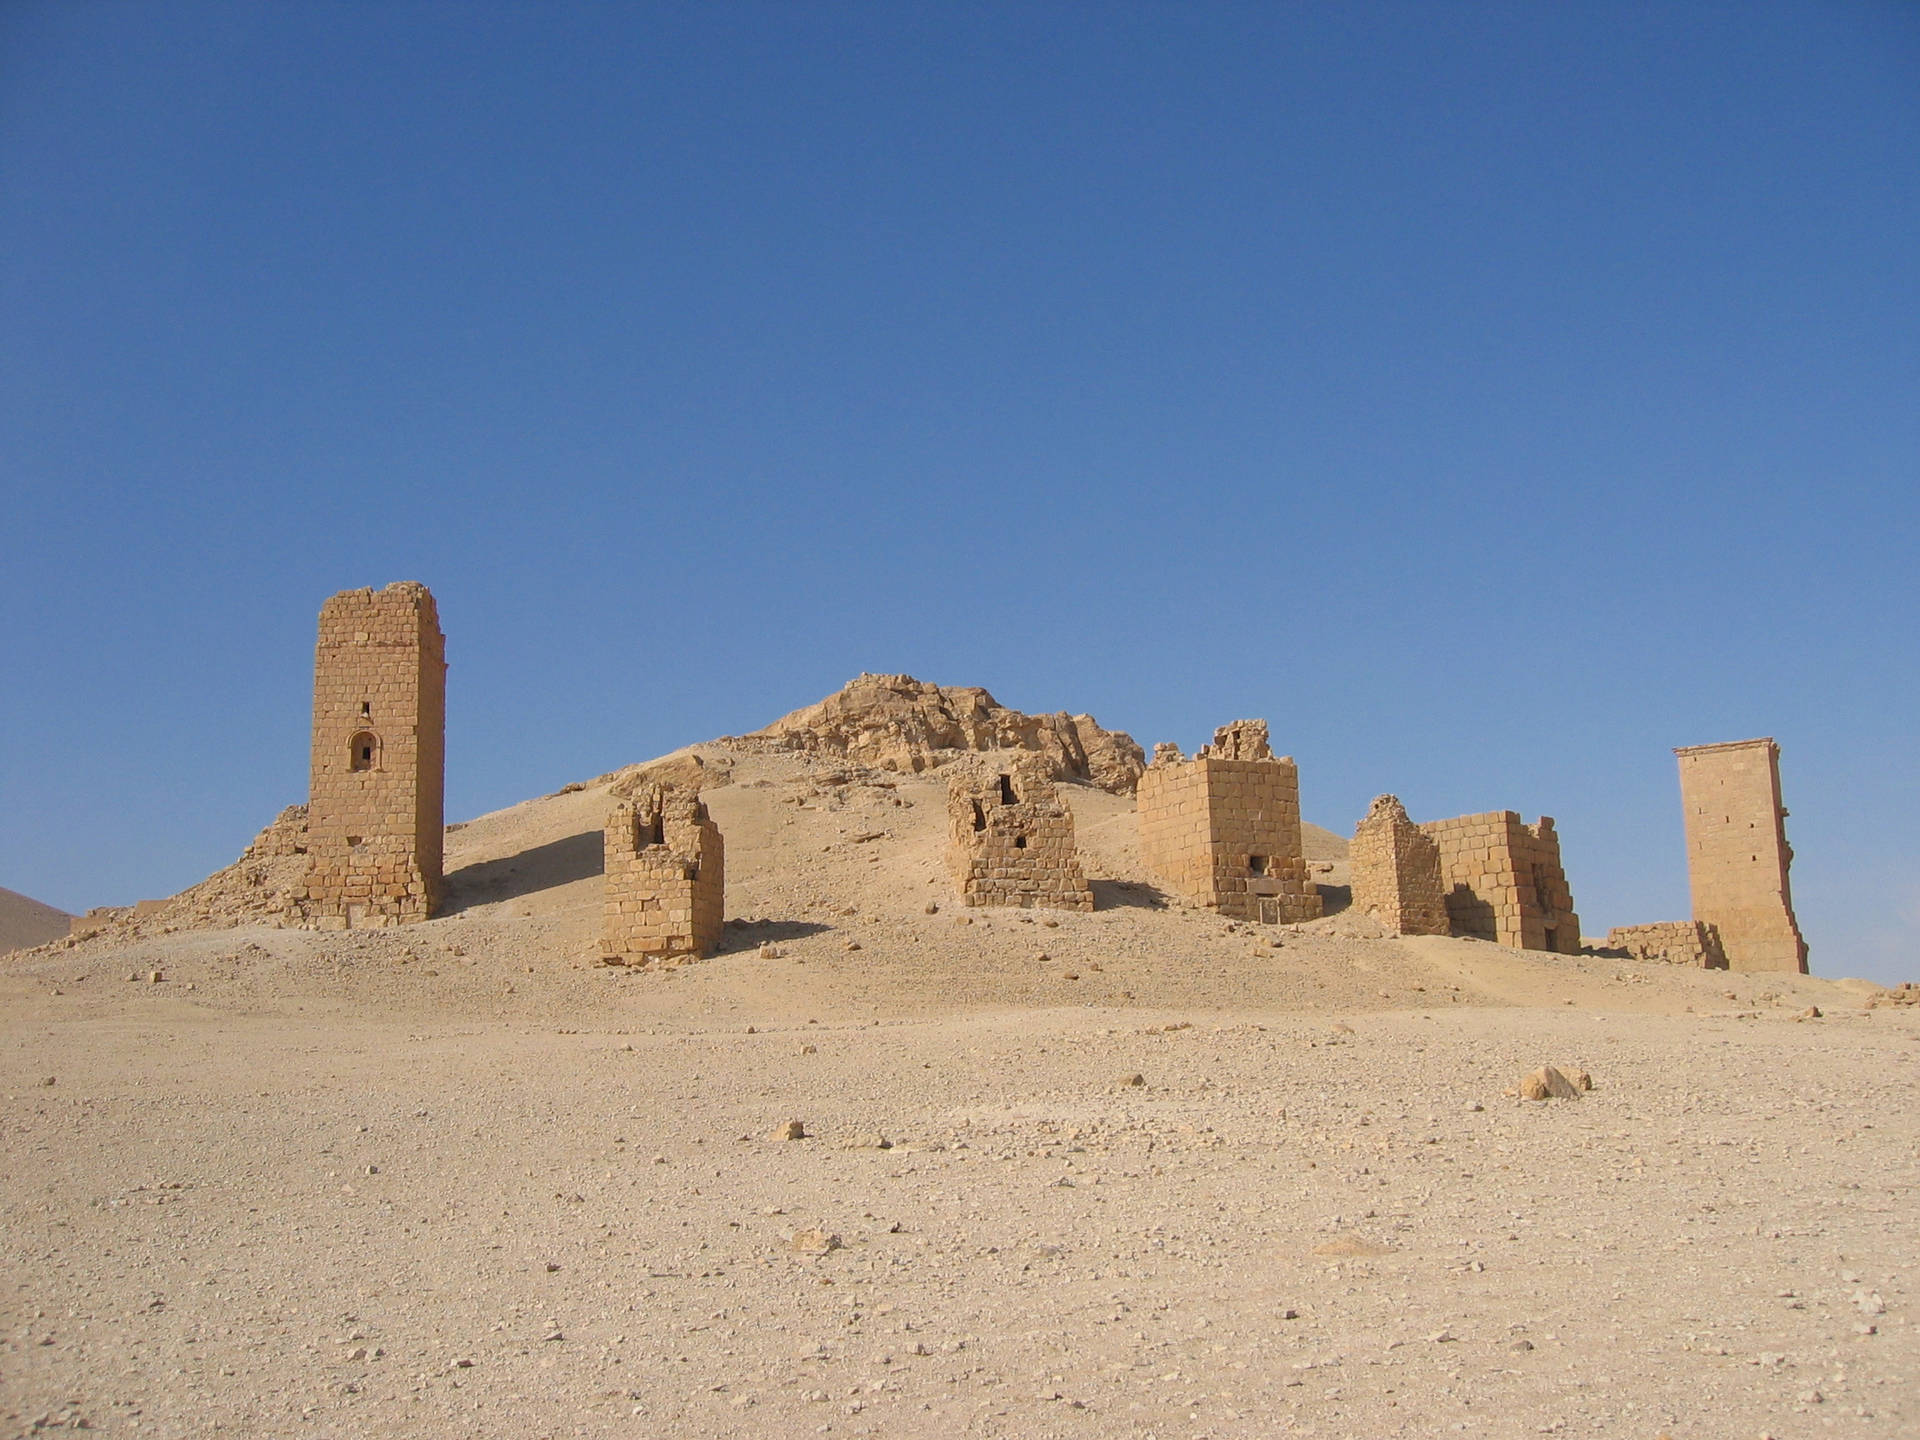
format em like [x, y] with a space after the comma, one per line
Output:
[363, 751]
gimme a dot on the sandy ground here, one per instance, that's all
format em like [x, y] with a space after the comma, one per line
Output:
[461, 1180]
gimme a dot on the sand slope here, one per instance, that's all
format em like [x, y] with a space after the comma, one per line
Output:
[25, 922]
[459, 1179]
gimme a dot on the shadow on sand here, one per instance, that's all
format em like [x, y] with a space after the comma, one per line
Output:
[1114, 894]
[741, 935]
[559, 862]
[1334, 898]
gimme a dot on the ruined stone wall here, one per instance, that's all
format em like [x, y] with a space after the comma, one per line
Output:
[1010, 837]
[1223, 829]
[1737, 852]
[1504, 881]
[1672, 942]
[376, 826]
[665, 878]
[1395, 867]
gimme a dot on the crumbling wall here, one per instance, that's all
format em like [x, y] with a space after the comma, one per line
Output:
[1673, 942]
[665, 878]
[1223, 829]
[1010, 837]
[1504, 881]
[1737, 852]
[375, 812]
[1395, 867]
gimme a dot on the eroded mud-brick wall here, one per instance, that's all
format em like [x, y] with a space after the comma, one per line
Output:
[1223, 829]
[665, 878]
[1504, 881]
[1737, 852]
[1010, 836]
[375, 811]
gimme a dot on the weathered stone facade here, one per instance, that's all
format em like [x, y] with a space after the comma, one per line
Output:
[1010, 836]
[1672, 942]
[1395, 866]
[375, 820]
[1504, 881]
[1223, 829]
[665, 878]
[1737, 852]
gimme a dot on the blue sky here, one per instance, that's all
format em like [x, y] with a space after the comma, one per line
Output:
[1493, 397]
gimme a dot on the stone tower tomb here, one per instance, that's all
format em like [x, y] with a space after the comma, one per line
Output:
[375, 811]
[665, 878]
[1504, 881]
[1223, 829]
[1396, 871]
[1737, 853]
[1010, 837]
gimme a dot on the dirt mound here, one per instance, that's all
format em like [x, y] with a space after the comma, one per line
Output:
[255, 890]
[895, 722]
[25, 923]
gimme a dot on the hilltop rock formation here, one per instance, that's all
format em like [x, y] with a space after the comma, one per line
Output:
[895, 722]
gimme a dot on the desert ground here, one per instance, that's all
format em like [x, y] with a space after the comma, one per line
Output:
[1139, 1172]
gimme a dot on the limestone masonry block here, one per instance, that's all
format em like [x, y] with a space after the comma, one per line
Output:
[375, 813]
[1010, 837]
[1503, 881]
[1737, 853]
[1674, 942]
[1223, 829]
[665, 878]
[1396, 871]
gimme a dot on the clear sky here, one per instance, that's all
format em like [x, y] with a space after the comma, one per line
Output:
[1493, 397]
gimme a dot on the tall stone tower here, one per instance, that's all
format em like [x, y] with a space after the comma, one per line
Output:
[376, 824]
[1737, 852]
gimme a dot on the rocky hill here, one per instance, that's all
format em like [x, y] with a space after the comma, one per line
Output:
[898, 723]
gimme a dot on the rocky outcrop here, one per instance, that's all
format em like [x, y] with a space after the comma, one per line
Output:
[895, 722]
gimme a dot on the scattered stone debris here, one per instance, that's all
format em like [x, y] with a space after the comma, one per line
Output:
[1549, 1082]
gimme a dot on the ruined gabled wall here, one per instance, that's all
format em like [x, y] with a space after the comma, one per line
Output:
[1010, 837]
[1672, 942]
[1396, 871]
[665, 878]
[1504, 881]
[376, 826]
[1223, 829]
[1737, 852]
